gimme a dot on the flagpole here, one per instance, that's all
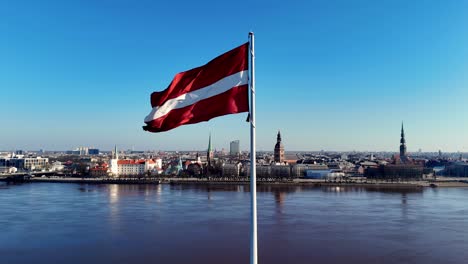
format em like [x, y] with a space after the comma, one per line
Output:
[253, 173]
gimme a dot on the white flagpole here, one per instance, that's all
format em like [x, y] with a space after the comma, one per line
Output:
[253, 173]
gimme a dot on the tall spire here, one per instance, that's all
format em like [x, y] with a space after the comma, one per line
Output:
[209, 144]
[179, 165]
[209, 152]
[278, 137]
[402, 143]
[116, 154]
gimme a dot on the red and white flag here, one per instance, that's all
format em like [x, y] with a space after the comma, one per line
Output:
[217, 88]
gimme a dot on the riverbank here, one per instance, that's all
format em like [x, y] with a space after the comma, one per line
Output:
[320, 183]
[441, 182]
[93, 180]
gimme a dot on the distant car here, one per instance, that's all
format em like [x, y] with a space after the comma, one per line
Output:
[43, 176]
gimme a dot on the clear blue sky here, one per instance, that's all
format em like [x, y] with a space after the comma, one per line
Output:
[333, 75]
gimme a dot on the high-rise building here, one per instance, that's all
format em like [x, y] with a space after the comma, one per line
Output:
[279, 149]
[83, 151]
[234, 149]
[93, 151]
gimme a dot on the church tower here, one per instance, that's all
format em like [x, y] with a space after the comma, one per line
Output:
[279, 149]
[114, 163]
[402, 144]
[116, 153]
[209, 153]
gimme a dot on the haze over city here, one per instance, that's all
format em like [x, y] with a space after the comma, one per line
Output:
[333, 75]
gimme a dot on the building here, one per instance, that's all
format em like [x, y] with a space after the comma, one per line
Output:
[403, 157]
[279, 149]
[280, 171]
[139, 167]
[129, 167]
[23, 162]
[401, 168]
[457, 169]
[99, 171]
[270, 171]
[209, 153]
[234, 148]
[231, 170]
[83, 151]
[317, 174]
[113, 163]
[316, 171]
[57, 166]
[8, 170]
[306, 170]
[93, 151]
[395, 171]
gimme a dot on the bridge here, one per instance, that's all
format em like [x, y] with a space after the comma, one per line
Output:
[21, 176]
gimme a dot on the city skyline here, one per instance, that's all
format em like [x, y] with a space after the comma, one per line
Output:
[343, 79]
[229, 149]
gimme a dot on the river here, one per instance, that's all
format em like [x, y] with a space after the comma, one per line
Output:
[80, 223]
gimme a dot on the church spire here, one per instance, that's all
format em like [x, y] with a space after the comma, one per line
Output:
[116, 154]
[209, 154]
[402, 142]
[209, 144]
[278, 137]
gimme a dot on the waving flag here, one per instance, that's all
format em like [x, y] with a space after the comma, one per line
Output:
[217, 88]
[220, 87]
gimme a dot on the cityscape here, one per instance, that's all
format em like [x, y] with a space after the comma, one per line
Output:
[261, 132]
[233, 164]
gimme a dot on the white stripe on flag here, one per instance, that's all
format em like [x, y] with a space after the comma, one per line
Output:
[219, 87]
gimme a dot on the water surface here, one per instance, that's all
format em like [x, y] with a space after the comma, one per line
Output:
[73, 223]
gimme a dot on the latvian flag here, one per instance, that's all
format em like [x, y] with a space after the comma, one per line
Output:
[217, 88]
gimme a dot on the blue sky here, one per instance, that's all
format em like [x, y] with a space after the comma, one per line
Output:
[333, 75]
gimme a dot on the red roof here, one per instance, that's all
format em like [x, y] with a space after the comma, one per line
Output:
[135, 162]
[130, 162]
[99, 169]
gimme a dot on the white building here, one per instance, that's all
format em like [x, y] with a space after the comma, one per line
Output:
[135, 167]
[158, 163]
[113, 163]
[57, 166]
[8, 169]
[22, 162]
[130, 167]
